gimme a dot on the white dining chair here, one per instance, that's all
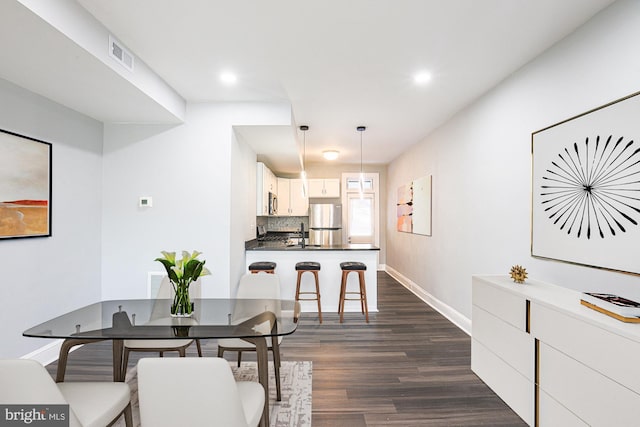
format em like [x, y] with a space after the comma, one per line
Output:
[196, 392]
[91, 404]
[254, 286]
[159, 316]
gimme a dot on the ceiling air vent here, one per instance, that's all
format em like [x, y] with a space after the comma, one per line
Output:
[120, 54]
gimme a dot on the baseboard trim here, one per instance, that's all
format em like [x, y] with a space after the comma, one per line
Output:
[48, 353]
[446, 310]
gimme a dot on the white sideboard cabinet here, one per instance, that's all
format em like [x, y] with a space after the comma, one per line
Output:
[554, 361]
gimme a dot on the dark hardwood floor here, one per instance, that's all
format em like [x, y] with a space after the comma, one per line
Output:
[408, 367]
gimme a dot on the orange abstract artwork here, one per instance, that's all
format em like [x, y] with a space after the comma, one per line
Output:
[25, 186]
[404, 208]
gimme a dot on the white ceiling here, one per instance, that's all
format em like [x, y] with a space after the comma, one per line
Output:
[339, 63]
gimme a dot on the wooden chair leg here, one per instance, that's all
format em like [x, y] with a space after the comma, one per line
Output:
[128, 416]
[276, 366]
[360, 281]
[363, 295]
[315, 274]
[317, 284]
[220, 351]
[199, 348]
[239, 358]
[298, 285]
[125, 360]
[343, 289]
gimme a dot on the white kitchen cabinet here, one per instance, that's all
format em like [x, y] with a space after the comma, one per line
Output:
[553, 360]
[299, 200]
[284, 194]
[266, 182]
[291, 200]
[324, 188]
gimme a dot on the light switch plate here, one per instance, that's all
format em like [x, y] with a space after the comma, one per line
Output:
[146, 202]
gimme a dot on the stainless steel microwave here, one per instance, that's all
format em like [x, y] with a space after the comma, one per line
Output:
[273, 204]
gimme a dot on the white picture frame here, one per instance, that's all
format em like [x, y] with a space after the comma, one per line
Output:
[586, 188]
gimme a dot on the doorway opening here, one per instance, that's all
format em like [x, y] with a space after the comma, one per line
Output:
[361, 216]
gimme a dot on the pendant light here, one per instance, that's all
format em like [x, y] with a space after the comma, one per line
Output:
[303, 173]
[361, 129]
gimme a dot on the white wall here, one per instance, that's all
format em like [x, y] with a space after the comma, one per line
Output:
[481, 166]
[189, 170]
[242, 205]
[59, 273]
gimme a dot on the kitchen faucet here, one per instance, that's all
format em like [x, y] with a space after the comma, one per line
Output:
[302, 234]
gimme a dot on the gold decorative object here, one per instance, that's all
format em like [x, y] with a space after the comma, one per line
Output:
[518, 273]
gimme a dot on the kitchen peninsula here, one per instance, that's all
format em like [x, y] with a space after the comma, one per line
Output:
[287, 255]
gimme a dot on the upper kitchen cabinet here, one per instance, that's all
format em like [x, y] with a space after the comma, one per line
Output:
[291, 200]
[324, 188]
[266, 182]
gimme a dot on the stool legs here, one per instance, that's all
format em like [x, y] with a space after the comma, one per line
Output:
[317, 292]
[362, 292]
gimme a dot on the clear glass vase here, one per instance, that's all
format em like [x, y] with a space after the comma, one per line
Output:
[182, 305]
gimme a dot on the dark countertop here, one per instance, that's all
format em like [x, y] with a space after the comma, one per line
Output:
[255, 245]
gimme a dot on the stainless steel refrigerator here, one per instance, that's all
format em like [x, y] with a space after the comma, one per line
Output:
[325, 224]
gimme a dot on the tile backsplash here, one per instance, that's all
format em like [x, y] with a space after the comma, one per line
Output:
[286, 223]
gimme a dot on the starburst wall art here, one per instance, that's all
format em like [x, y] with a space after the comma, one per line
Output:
[586, 188]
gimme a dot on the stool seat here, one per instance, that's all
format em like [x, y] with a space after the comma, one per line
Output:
[265, 266]
[353, 266]
[308, 266]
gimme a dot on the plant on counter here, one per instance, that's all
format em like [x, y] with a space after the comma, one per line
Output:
[181, 274]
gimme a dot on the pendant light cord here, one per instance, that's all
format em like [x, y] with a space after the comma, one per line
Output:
[361, 129]
[360, 152]
[303, 174]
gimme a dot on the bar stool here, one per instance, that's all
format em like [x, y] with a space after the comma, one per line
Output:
[311, 267]
[360, 268]
[262, 266]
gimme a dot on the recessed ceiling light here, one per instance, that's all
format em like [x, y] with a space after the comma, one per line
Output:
[421, 78]
[228, 78]
[330, 154]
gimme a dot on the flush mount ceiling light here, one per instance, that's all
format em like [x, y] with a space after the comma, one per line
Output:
[228, 78]
[422, 78]
[330, 154]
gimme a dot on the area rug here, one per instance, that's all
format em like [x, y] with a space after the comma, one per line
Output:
[293, 410]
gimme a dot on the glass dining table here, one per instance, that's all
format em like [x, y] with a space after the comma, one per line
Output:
[253, 320]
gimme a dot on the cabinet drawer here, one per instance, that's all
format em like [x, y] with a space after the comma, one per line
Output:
[599, 400]
[504, 305]
[551, 413]
[612, 355]
[510, 344]
[510, 385]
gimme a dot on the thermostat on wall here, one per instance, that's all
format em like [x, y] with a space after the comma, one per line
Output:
[145, 202]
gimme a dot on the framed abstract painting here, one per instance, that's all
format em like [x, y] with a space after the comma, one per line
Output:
[413, 208]
[25, 186]
[586, 188]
